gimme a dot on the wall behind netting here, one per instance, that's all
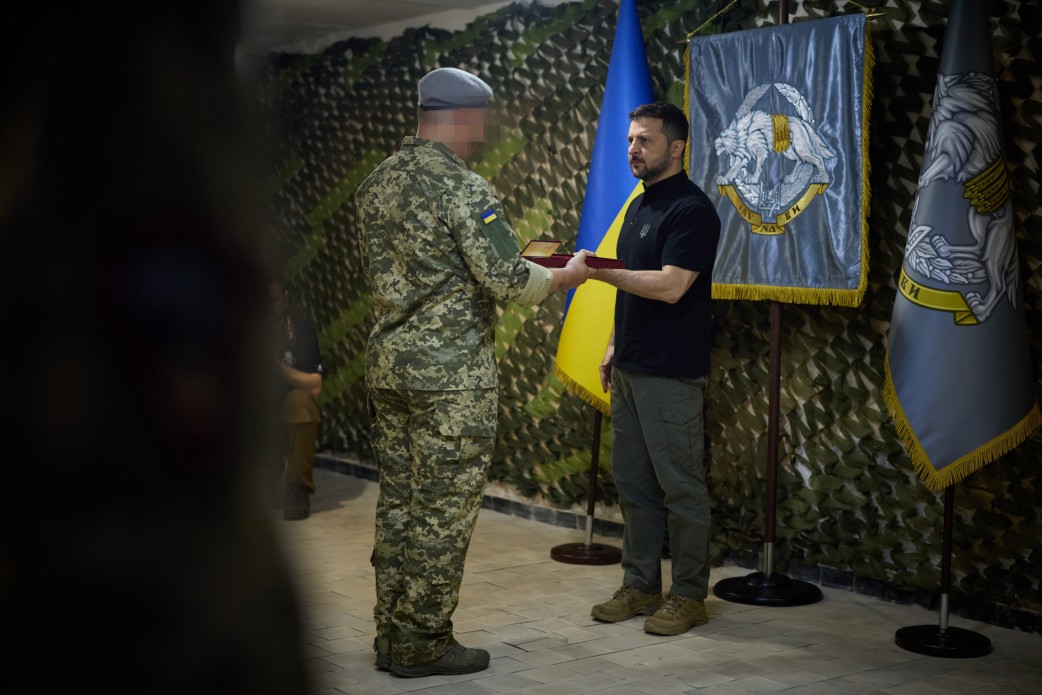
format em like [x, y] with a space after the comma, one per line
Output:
[847, 495]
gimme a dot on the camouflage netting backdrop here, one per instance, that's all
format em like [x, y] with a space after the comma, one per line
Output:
[848, 497]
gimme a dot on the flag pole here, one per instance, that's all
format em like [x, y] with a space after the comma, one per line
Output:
[945, 437]
[589, 553]
[767, 587]
[943, 639]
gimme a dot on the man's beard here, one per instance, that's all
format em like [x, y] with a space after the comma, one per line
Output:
[652, 168]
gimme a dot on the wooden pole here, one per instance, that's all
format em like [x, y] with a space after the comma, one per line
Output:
[767, 587]
[589, 553]
[943, 639]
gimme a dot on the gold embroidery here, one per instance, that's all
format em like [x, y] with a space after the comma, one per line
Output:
[988, 190]
[938, 300]
[782, 137]
[783, 218]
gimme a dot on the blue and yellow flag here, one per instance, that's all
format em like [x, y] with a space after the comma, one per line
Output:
[611, 186]
[958, 369]
[779, 137]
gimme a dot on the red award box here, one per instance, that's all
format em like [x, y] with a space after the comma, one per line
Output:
[542, 253]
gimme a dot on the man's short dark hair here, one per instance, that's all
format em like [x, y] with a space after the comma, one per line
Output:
[674, 122]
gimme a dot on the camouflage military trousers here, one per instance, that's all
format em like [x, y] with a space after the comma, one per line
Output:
[432, 449]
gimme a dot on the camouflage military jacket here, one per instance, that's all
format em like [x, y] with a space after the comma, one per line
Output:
[437, 253]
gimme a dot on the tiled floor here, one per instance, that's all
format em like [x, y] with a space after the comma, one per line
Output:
[533, 614]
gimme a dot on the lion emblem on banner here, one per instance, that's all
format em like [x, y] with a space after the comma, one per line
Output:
[963, 148]
[746, 147]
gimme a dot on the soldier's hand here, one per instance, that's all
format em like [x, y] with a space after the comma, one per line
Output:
[578, 269]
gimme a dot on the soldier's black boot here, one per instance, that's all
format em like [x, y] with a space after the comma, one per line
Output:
[457, 660]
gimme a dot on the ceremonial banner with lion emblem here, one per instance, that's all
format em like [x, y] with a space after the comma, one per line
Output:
[958, 371]
[779, 138]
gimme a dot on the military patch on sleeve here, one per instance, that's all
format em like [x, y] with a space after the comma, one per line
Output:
[500, 234]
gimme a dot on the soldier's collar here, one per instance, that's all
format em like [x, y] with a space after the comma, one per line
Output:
[413, 141]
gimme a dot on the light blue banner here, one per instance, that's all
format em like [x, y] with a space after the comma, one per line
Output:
[779, 138]
[958, 371]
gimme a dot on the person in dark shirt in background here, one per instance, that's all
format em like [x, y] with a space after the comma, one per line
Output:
[299, 364]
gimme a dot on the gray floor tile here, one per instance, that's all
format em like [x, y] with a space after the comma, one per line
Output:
[533, 615]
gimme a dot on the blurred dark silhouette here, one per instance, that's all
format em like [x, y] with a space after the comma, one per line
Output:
[135, 553]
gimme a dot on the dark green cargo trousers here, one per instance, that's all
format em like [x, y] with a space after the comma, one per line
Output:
[657, 461]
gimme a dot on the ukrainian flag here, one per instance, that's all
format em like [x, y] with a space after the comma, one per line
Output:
[591, 307]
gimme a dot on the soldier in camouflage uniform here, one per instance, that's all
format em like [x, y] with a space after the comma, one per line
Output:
[438, 253]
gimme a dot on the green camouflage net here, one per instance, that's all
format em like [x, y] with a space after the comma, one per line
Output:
[847, 494]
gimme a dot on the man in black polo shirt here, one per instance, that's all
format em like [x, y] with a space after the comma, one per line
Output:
[655, 366]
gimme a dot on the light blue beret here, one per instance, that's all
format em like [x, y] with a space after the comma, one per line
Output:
[451, 88]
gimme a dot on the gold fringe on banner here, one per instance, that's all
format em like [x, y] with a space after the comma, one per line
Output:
[938, 479]
[866, 165]
[788, 295]
[581, 391]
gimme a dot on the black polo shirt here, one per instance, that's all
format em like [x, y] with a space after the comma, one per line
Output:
[296, 346]
[672, 223]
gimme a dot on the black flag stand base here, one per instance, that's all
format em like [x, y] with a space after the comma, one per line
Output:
[952, 642]
[586, 553]
[942, 639]
[589, 553]
[770, 588]
[767, 588]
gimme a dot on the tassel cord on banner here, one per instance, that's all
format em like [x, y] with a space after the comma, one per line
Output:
[870, 13]
[706, 23]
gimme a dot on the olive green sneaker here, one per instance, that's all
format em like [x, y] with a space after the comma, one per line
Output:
[457, 660]
[678, 614]
[626, 603]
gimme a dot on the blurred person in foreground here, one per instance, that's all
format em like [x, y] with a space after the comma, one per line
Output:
[136, 553]
[438, 253]
[299, 367]
[656, 366]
